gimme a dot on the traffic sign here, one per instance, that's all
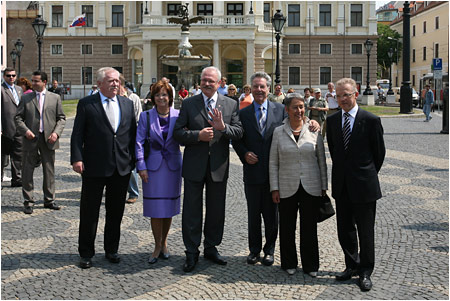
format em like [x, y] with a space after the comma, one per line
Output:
[437, 64]
[437, 74]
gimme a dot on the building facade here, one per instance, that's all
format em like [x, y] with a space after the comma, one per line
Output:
[320, 42]
[429, 39]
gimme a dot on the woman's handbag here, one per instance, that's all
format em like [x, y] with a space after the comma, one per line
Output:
[147, 138]
[326, 209]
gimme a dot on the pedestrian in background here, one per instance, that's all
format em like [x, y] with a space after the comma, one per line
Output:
[246, 98]
[429, 100]
[161, 170]
[232, 92]
[318, 108]
[25, 84]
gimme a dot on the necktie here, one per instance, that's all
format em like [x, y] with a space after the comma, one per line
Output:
[16, 97]
[41, 109]
[110, 113]
[209, 107]
[262, 119]
[346, 131]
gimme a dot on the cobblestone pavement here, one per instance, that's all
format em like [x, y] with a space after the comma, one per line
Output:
[40, 259]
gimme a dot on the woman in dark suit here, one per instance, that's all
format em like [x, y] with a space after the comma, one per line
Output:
[298, 175]
[161, 170]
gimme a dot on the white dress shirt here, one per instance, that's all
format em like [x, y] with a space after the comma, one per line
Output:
[352, 117]
[116, 108]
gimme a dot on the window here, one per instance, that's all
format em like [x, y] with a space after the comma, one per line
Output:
[235, 9]
[424, 53]
[356, 15]
[325, 14]
[414, 31]
[294, 15]
[235, 72]
[413, 80]
[205, 9]
[172, 9]
[294, 75]
[89, 11]
[325, 75]
[325, 49]
[414, 55]
[294, 48]
[117, 16]
[86, 48]
[86, 75]
[57, 74]
[424, 26]
[116, 49]
[57, 16]
[57, 49]
[436, 23]
[357, 48]
[120, 69]
[436, 50]
[267, 14]
[357, 74]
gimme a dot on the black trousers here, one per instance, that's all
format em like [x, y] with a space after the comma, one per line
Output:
[12, 148]
[91, 198]
[309, 246]
[192, 216]
[356, 221]
[259, 202]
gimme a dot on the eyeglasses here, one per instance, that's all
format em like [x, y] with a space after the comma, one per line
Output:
[10, 75]
[345, 95]
[231, 89]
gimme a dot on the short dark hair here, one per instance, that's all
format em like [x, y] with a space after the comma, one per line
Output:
[9, 69]
[307, 89]
[42, 74]
[156, 87]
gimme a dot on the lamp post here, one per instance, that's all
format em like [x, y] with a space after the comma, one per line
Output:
[19, 47]
[13, 55]
[390, 54]
[278, 21]
[146, 8]
[396, 52]
[39, 26]
[368, 45]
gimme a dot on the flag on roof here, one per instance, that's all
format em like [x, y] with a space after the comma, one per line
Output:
[79, 21]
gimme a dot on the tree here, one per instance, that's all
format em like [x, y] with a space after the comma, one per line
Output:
[383, 45]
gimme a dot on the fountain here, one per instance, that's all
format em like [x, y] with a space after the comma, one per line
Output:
[185, 61]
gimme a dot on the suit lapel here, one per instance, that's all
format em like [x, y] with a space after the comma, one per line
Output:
[154, 124]
[357, 128]
[200, 105]
[99, 107]
[252, 117]
[172, 119]
[36, 101]
[271, 110]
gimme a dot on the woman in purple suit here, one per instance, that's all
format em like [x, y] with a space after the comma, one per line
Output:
[161, 170]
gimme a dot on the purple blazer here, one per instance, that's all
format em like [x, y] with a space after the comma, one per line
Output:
[168, 150]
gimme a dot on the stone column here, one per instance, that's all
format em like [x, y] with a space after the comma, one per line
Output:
[147, 67]
[216, 55]
[250, 58]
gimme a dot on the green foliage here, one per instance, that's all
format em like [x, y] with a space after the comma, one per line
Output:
[383, 45]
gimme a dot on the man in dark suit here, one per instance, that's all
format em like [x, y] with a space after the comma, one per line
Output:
[40, 118]
[11, 140]
[205, 126]
[355, 141]
[55, 89]
[253, 150]
[102, 151]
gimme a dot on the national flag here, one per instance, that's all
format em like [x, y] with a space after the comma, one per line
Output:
[79, 21]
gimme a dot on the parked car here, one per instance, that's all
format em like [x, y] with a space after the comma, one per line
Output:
[415, 98]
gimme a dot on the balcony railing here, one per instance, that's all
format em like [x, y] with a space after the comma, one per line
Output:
[209, 20]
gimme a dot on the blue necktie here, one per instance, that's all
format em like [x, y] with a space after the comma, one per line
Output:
[16, 97]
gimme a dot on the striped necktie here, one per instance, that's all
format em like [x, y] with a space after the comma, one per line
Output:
[262, 119]
[209, 107]
[346, 130]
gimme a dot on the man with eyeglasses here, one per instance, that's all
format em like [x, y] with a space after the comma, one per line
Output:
[355, 141]
[11, 140]
[205, 126]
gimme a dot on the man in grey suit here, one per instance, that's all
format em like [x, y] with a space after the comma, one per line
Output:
[40, 118]
[11, 140]
[205, 126]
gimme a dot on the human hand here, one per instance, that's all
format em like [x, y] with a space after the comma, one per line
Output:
[144, 175]
[217, 121]
[251, 158]
[206, 134]
[78, 167]
[29, 135]
[314, 126]
[276, 196]
[52, 138]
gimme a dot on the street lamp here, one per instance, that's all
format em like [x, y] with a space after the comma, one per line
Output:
[368, 45]
[390, 54]
[396, 52]
[278, 21]
[13, 55]
[39, 26]
[19, 47]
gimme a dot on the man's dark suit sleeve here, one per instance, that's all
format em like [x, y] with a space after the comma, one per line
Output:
[77, 139]
[377, 144]
[330, 128]
[234, 130]
[239, 145]
[181, 133]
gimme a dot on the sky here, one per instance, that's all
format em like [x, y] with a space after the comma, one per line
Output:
[380, 3]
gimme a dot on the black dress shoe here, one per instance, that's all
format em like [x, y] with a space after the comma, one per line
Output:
[85, 263]
[365, 283]
[216, 258]
[163, 255]
[346, 275]
[267, 260]
[112, 257]
[16, 184]
[28, 209]
[52, 206]
[191, 261]
[253, 258]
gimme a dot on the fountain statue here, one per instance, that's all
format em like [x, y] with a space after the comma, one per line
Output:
[185, 61]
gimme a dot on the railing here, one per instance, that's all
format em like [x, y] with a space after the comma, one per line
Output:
[208, 20]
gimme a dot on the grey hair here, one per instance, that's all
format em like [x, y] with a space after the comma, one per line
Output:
[347, 81]
[291, 96]
[262, 75]
[101, 73]
[219, 74]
